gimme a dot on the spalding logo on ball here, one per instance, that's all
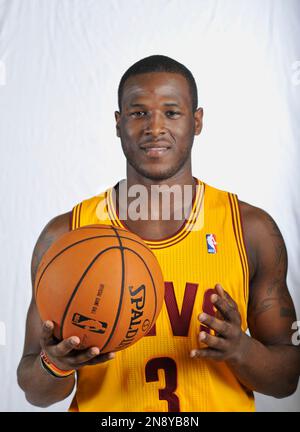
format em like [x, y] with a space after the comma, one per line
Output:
[102, 284]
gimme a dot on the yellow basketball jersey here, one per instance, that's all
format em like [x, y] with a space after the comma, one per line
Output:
[157, 373]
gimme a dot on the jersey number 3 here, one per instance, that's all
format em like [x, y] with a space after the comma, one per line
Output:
[168, 365]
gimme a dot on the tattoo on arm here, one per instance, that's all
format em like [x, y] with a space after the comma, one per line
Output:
[276, 294]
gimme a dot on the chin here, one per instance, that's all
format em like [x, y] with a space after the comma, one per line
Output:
[156, 173]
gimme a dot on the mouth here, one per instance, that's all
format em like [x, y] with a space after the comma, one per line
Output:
[155, 150]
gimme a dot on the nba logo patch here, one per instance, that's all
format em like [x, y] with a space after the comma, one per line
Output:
[211, 243]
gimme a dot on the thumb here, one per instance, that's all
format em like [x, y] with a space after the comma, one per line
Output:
[47, 332]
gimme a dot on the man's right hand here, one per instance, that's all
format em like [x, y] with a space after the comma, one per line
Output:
[65, 355]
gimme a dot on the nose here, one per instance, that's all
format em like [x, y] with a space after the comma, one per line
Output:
[155, 125]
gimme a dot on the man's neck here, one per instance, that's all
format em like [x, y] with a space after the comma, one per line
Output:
[157, 202]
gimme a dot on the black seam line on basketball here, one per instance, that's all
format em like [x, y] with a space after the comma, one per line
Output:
[144, 244]
[80, 241]
[78, 285]
[76, 243]
[121, 248]
[153, 283]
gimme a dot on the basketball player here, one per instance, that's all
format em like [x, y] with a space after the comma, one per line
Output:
[220, 279]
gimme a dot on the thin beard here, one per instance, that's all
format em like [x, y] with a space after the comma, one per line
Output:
[160, 176]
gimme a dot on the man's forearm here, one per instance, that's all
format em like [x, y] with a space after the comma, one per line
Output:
[271, 370]
[42, 389]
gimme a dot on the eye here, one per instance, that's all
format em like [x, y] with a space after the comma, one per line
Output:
[173, 114]
[138, 114]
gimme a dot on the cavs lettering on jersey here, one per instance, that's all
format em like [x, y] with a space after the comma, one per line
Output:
[157, 373]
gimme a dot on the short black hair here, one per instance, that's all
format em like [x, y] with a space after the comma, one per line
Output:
[160, 63]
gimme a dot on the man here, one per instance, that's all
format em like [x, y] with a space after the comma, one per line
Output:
[235, 276]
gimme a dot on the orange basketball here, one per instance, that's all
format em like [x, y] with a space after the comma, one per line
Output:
[102, 284]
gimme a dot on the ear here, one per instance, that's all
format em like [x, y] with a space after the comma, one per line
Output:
[117, 117]
[198, 117]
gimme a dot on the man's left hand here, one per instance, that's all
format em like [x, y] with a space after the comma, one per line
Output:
[230, 342]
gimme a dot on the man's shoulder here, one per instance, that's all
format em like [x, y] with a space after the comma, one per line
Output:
[55, 228]
[262, 235]
[251, 212]
[59, 224]
[256, 219]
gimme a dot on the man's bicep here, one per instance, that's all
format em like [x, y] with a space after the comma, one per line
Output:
[52, 231]
[271, 311]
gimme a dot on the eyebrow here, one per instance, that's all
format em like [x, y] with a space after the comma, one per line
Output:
[168, 104]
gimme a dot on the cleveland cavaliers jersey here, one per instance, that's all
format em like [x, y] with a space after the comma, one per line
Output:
[157, 373]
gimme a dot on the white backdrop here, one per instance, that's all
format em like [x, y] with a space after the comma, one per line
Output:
[60, 65]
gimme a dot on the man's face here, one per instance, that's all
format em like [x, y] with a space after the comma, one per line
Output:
[156, 124]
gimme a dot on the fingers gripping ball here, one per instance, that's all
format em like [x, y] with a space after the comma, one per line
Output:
[102, 284]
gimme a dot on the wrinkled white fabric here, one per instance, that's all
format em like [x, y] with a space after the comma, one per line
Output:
[60, 66]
